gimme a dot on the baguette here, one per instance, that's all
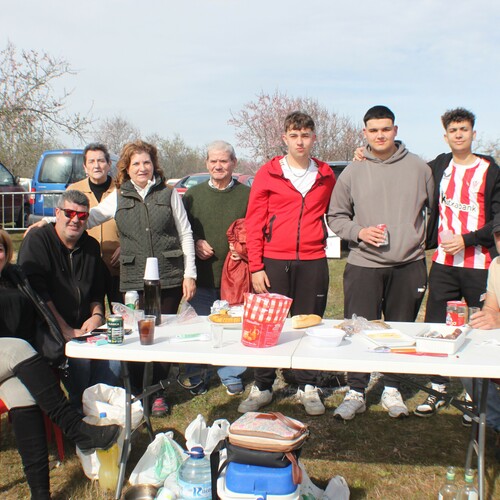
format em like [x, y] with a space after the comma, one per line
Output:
[305, 320]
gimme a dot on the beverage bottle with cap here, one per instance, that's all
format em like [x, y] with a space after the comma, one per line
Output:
[449, 490]
[194, 477]
[152, 289]
[108, 460]
[468, 491]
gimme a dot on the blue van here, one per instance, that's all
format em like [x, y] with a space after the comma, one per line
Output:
[55, 171]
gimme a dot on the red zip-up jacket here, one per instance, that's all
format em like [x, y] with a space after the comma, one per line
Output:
[281, 223]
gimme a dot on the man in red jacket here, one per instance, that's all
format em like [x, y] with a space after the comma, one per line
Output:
[286, 239]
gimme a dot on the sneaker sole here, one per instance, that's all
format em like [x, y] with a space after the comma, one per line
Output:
[399, 415]
[234, 393]
[314, 413]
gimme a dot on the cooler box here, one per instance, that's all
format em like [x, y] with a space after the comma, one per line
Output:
[251, 482]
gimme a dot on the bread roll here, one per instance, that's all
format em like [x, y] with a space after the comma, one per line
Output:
[305, 320]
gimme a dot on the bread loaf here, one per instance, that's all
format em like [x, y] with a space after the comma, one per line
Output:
[305, 320]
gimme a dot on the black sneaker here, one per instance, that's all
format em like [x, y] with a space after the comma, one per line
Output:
[466, 420]
[199, 390]
[430, 406]
[234, 389]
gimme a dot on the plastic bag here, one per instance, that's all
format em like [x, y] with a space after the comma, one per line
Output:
[111, 400]
[162, 458]
[336, 489]
[357, 323]
[128, 315]
[198, 434]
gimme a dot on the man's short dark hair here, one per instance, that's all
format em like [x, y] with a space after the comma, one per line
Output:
[378, 113]
[96, 146]
[297, 120]
[73, 196]
[458, 115]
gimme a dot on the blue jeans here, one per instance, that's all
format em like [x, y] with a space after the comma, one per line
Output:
[492, 404]
[201, 303]
[83, 373]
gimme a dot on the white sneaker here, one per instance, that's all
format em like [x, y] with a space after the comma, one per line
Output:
[393, 402]
[354, 402]
[309, 397]
[256, 399]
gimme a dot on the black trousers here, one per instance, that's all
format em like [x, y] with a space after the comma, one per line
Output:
[306, 282]
[395, 292]
[452, 283]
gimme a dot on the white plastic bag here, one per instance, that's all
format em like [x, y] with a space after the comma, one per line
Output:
[162, 458]
[111, 400]
[337, 488]
[198, 434]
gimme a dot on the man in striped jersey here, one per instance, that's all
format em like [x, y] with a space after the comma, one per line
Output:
[467, 189]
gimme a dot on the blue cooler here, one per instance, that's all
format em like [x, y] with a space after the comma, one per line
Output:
[257, 480]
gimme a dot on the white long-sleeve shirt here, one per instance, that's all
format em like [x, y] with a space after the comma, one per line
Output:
[106, 210]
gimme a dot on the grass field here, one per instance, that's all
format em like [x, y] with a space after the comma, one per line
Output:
[380, 458]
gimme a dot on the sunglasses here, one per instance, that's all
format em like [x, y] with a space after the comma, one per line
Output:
[71, 213]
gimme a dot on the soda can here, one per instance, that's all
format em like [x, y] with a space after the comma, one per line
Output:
[115, 329]
[456, 313]
[386, 235]
[132, 299]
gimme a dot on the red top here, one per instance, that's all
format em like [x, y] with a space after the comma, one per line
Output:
[281, 224]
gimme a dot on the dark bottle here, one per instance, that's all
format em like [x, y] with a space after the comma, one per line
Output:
[152, 299]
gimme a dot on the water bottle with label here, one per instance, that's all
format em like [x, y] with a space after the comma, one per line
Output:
[469, 491]
[449, 490]
[194, 477]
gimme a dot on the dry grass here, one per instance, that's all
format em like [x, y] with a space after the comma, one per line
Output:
[379, 457]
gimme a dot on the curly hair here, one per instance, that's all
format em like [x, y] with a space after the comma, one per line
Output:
[129, 150]
[458, 115]
[297, 120]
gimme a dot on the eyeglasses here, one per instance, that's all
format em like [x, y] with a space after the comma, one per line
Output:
[71, 213]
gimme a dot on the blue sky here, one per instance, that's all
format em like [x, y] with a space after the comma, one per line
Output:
[182, 66]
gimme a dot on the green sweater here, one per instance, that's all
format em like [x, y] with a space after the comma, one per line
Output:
[210, 213]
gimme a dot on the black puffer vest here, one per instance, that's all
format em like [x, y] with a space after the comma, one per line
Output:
[147, 229]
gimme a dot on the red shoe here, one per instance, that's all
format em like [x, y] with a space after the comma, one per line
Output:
[160, 408]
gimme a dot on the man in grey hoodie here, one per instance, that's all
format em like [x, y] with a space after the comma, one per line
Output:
[385, 272]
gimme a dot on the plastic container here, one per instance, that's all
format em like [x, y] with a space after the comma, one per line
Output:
[194, 476]
[439, 345]
[225, 493]
[108, 461]
[255, 479]
[325, 337]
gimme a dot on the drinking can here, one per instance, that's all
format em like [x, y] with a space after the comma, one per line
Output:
[456, 313]
[386, 235]
[132, 299]
[115, 329]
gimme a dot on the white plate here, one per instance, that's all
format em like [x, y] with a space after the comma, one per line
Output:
[389, 337]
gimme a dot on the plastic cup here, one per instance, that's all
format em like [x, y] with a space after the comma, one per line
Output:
[151, 272]
[472, 311]
[147, 329]
[138, 315]
[217, 334]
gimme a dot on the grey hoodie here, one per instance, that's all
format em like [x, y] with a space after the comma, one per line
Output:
[392, 192]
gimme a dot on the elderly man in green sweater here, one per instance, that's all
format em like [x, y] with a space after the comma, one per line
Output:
[212, 207]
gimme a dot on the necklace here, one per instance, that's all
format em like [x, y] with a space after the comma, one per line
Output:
[293, 173]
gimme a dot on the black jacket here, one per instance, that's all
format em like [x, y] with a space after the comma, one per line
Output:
[71, 279]
[482, 236]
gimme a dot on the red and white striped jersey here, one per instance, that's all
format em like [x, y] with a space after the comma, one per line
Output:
[462, 210]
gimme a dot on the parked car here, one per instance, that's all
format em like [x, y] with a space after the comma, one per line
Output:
[55, 171]
[193, 179]
[14, 207]
[338, 167]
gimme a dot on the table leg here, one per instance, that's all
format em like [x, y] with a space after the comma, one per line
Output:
[147, 380]
[481, 469]
[128, 428]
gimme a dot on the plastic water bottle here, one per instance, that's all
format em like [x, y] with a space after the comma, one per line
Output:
[469, 491]
[194, 477]
[108, 460]
[449, 490]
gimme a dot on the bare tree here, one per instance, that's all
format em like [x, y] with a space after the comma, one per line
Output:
[176, 157]
[488, 147]
[116, 132]
[31, 111]
[259, 127]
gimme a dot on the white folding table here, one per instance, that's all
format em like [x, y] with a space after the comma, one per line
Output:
[294, 350]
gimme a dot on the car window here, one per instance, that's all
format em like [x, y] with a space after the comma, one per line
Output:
[6, 178]
[62, 169]
[193, 180]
